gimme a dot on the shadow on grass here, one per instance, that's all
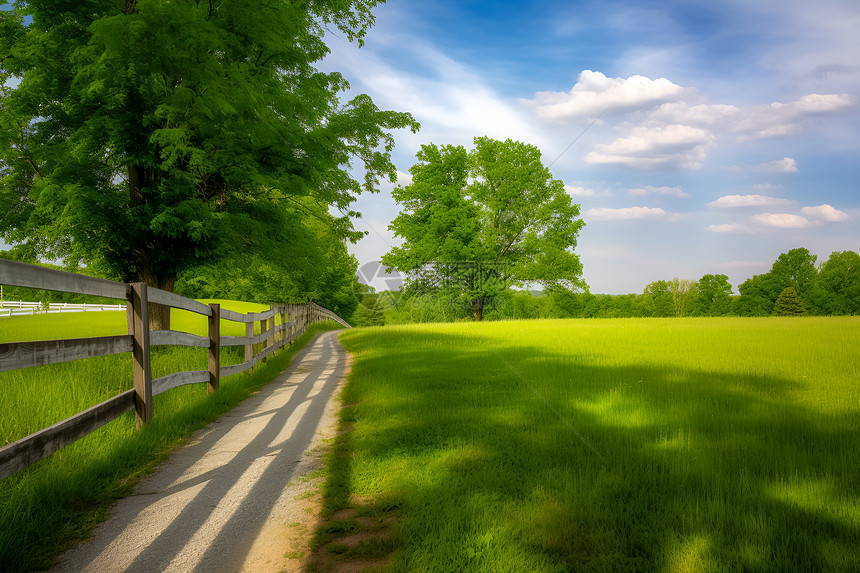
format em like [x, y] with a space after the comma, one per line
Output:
[491, 454]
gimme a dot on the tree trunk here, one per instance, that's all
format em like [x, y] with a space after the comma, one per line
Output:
[159, 315]
[478, 308]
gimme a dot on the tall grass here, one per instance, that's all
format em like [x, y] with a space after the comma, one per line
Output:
[58, 500]
[610, 445]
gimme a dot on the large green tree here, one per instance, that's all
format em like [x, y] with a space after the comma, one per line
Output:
[795, 269]
[715, 295]
[837, 289]
[299, 260]
[134, 135]
[684, 295]
[475, 223]
[658, 299]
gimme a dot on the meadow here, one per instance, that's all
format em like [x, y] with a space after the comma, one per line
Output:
[58, 500]
[713, 444]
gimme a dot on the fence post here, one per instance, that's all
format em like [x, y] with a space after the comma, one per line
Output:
[265, 343]
[270, 324]
[141, 354]
[249, 348]
[214, 348]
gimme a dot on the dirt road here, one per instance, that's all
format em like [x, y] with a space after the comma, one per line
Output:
[222, 502]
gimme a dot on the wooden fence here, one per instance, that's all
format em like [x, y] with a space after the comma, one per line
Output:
[22, 307]
[139, 340]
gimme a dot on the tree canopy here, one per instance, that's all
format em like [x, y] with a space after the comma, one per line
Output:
[143, 135]
[475, 223]
[795, 269]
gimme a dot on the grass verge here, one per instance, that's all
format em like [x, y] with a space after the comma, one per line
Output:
[609, 445]
[58, 501]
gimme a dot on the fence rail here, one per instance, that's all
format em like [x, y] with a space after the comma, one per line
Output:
[22, 307]
[294, 319]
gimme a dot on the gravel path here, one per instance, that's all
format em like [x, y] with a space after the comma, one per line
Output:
[222, 502]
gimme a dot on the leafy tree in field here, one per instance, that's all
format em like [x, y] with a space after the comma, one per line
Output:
[837, 290]
[788, 303]
[476, 222]
[145, 134]
[563, 303]
[683, 295]
[658, 299]
[757, 295]
[714, 295]
[796, 269]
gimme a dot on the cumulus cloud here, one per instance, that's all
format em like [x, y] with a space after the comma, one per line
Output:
[747, 201]
[810, 217]
[778, 119]
[595, 94]
[667, 125]
[825, 213]
[576, 191]
[783, 221]
[729, 228]
[751, 122]
[784, 165]
[672, 145]
[627, 214]
[700, 115]
[664, 190]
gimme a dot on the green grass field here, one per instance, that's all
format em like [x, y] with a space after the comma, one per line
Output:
[609, 445]
[61, 498]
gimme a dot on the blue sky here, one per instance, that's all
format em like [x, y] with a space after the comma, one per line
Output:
[698, 137]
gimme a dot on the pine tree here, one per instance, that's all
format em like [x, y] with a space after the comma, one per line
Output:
[788, 303]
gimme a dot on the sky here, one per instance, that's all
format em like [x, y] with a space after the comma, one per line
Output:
[698, 137]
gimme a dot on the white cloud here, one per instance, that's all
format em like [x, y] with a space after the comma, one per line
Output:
[729, 228]
[751, 122]
[784, 165]
[783, 221]
[667, 125]
[595, 94]
[778, 119]
[627, 214]
[664, 190]
[403, 179]
[671, 145]
[762, 222]
[576, 191]
[825, 213]
[747, 201]
[701, 115]
[452, 101]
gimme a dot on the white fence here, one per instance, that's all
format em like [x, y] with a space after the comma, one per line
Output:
[19, 307]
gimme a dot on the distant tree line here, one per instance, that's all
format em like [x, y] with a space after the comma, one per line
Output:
[795, 285]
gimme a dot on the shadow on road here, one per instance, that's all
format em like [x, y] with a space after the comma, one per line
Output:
[203, 510]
